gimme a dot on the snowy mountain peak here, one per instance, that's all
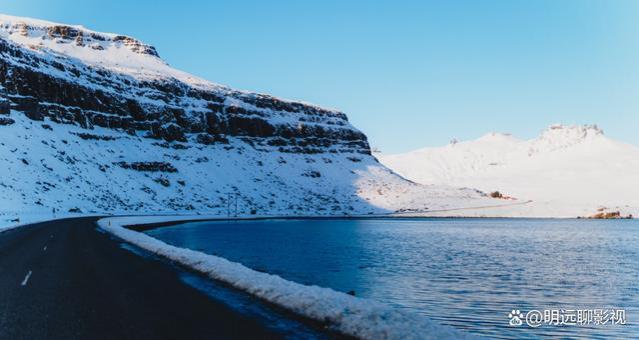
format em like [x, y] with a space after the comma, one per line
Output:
[573, 131]
[65, 38]
[559, 136]
[115, 52]
[566, 171]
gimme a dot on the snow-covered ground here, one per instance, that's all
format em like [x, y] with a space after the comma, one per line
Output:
[568, 171]
[350, 315]
[47, 165]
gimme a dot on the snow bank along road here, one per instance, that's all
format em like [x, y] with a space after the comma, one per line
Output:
[66, 280]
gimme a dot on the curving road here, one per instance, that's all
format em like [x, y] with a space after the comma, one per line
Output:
[67, 280]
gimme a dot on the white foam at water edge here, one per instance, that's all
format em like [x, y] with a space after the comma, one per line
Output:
[347, 314]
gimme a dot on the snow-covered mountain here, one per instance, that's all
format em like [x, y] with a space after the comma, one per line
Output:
[567, 171]
[98, 122]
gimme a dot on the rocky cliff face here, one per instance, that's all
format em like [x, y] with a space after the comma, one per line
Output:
[97, 122]
[42, 83]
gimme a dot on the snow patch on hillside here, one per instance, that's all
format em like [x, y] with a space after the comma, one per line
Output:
[362, 318]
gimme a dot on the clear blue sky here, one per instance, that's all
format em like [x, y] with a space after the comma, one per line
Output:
[408, 73]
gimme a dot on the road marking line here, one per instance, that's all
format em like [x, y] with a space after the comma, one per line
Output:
[26, 278]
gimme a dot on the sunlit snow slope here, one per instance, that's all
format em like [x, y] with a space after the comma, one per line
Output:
[96, 122]
[568, 171]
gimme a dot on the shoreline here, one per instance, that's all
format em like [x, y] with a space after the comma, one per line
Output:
[155, 225]
[190, 218]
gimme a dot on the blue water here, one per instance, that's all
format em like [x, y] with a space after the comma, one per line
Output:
[468, 273]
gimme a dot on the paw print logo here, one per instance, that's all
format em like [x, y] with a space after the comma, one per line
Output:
[515, 317]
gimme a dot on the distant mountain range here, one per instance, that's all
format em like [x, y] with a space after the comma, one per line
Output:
[568, 171]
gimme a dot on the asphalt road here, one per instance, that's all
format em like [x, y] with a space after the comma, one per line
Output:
[66, 280]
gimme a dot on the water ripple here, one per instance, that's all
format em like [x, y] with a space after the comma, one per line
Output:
[468, 273]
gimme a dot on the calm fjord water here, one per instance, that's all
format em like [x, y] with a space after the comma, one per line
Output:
[468, 273]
